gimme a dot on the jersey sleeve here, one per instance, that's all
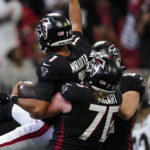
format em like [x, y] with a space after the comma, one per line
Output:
[119, 96]
[68, 92]
[44, 91]
[50, 72]
[53, 70]
[132, 82]
[81, 41]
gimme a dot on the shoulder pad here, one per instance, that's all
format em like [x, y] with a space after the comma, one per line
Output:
[132, 82]
[53, 68]
[67, 91]
[48, 61]
[81, 42]
[74, 92]
[65, 88]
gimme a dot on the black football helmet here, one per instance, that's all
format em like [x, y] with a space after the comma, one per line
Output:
[53, 30]
[105, 47]
[103, 73]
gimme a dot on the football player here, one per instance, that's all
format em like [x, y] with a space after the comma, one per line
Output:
[67, 53]
[87, 112]
[140, 132]
[132, 88]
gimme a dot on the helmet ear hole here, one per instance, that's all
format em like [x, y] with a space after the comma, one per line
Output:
[53, 30]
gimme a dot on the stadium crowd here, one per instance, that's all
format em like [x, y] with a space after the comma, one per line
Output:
[124, 23]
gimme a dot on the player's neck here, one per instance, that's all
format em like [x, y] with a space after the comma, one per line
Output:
[64, 51]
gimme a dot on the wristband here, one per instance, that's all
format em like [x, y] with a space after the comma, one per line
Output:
[14, 99]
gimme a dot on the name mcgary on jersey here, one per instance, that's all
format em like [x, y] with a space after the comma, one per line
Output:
[79, 63]
[109, 99]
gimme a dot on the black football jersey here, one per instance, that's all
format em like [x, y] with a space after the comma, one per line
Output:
[56, 69]
[87, 125]
[121, 139]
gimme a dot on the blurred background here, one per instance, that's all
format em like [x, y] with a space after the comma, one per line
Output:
[126, 23]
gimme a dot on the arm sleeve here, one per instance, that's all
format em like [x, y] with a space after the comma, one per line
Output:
[81, 41]
[68, 92]
[44, 91]
[133, 82]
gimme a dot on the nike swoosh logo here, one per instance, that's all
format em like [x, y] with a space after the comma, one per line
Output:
[44, 64]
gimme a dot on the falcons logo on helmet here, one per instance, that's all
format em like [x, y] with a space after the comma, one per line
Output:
[96, 65]
[44, 24]
[112, 49]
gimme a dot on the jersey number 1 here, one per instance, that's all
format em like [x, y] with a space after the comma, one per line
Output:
[101, 113]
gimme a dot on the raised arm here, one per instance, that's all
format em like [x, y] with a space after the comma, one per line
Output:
[75, 15]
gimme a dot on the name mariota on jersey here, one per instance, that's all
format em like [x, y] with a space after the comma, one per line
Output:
[109, 99]
[79, 63]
